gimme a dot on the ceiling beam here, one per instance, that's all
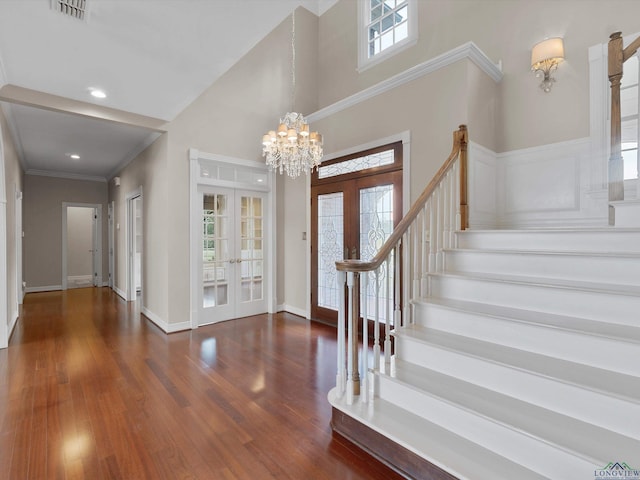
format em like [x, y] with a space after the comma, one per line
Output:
[33, 98]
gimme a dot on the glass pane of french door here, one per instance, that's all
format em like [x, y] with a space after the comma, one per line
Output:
[233, 246]
[215, 250]
[251, 257]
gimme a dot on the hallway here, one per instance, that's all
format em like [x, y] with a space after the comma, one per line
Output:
[90, 389]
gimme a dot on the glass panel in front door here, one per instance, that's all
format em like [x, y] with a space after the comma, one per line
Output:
[376, 225]
[251, 250]
[215, 250]
[330, 247]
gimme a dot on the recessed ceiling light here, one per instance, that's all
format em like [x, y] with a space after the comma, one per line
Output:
[75, 156]
[97, 93]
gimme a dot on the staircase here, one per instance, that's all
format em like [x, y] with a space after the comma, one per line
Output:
[523, 361]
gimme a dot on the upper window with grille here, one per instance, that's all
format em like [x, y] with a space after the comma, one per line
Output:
[387, 26]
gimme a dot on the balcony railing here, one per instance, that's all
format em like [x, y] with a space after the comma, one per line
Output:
[412, 252]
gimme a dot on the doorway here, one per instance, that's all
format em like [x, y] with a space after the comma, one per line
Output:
[81, 245]
[232, 269]
[135, 232]
[356, 201]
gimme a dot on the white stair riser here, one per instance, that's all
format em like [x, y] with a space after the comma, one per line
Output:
[594, 407]
[594, 305]
[597, 351]
[509, 443]
[561, 240]
[595, 268]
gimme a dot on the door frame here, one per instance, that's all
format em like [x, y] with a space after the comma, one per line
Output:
[97, 241]
[237, 174]
[111, 239]
[405, 138]
[18, 259]
[4, 307]
[130, 234]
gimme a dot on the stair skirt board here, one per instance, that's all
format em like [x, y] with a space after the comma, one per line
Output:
[395, 456]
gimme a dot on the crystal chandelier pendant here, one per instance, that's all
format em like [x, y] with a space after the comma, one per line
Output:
[292, 149]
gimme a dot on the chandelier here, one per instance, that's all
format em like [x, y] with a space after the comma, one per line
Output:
[292, 148]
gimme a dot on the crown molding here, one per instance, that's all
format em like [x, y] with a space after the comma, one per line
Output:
[468, 50]
[69, 176]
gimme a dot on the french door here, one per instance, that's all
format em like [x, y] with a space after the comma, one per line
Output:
[352, 215]
[232, 263]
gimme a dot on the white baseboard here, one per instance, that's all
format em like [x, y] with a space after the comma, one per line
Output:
[44, 288]
[105, 284]
[291, 309]
[120, 293]
[12, 324]
[166, 327]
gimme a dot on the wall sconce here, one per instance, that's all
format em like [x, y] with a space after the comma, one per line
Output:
[545, 57]
[116, 181]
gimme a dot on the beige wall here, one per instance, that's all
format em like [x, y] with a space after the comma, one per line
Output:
[230, 116]
[504, 30]
[149, 171]
[13, 182]
[42, 225]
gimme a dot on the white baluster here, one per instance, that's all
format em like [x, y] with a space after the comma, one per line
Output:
[397, 314]
[457, 197]
[424, 246]
[453, 200]
[432, 233]
[439, 227]
[417, 254]
[341, 377]
[405, 260]
[387, 320]
[376, 324]
[446, 205]
[350, 333]
[364, 376]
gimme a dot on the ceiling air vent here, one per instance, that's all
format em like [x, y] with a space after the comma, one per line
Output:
[72, 8]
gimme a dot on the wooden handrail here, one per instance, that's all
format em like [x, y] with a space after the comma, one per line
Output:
[460, 138]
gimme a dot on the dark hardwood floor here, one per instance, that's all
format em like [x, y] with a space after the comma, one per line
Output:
[89, 389]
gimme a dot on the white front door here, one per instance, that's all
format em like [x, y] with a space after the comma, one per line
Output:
[232, 263]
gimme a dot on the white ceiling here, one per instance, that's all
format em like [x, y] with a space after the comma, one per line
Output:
[152, 57]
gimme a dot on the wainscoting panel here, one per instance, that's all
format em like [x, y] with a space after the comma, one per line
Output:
[483, 187]
[549, 186]
[541, 184]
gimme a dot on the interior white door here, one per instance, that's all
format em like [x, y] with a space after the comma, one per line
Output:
[232, 243]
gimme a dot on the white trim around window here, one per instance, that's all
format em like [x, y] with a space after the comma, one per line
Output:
[364, 60]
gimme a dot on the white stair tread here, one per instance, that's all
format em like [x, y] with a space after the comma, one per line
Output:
[454, 454]
[583, 439]
[624, 333]
[573, 253]
[615, 384]
[609, 288]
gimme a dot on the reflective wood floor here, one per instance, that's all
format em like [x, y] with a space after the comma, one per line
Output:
[89, 389]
